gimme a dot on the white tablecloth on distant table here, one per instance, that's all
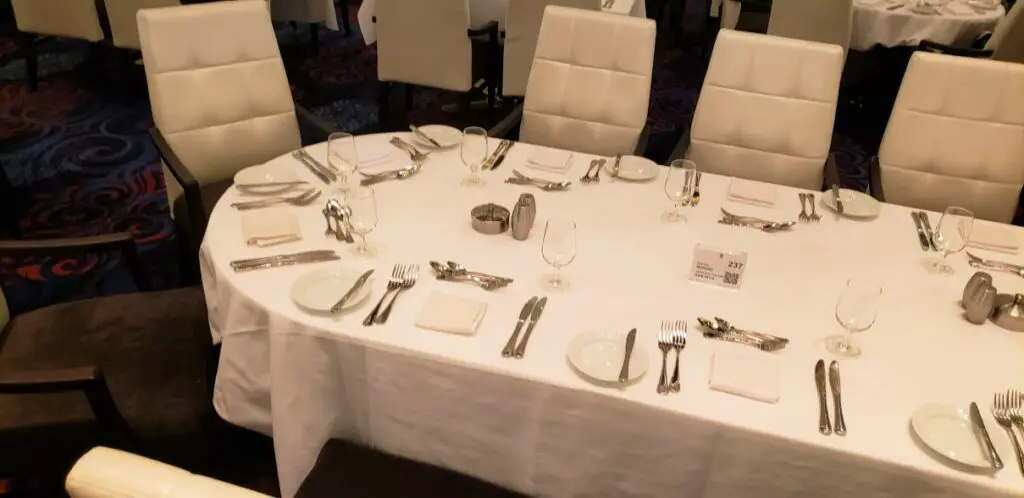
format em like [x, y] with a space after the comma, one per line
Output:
[482, 12]
[874, 24]
[533, 425]
[311, 11]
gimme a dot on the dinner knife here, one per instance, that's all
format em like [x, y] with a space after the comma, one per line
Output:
[351, 292]
[927, 229]
[419, 133]
[835, 194]
[264, 259]
[534, 315]
[824, 425]
[979, 425]
[285, 262]
[510, 346]
[624, 372]
[504, 153]
[921, 236]
[322, 176]
[837, 397]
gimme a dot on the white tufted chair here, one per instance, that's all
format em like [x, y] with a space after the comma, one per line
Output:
[109, 473]
[220, 97]
[80, 19]
[522, 27]
[124, 28]
[825, 21]
[590, 84]
[955, 136]
[766, 110]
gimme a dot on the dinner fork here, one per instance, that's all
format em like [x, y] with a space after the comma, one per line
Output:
[393, 284]
[1003, 409]
[303, 199]
[804, 217]
[664, 344]
[815, 217]
[414, 153]
[678, 343]
[409, 276]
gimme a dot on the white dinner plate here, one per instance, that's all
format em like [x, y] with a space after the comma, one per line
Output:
[948, 431]
[447, 136]
[265, 173]
[634, 168]
[597, 356]
[318, 290]
[855, 204]
[984, 4]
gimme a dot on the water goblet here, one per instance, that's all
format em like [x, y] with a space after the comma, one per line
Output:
[474, 153]
[343, 158]
[679, 188]
[856, 312]
[558, 249]
[362, 204]
[950, 236]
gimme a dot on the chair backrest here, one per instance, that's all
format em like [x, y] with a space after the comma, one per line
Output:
[956, 136]
[590, 84]
[68, 18]
[1007, 41]
[825, 21]
[522, 26]
[425, 42]
[218, 89]
[767, 108]
[122, 14]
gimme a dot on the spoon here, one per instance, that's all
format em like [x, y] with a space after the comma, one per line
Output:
[730, 328]
[457, 268]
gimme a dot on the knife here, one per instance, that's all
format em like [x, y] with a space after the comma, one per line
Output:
[537, 310]
[494, 156]
[696, 190]
[835, 194]
[921, 236]
[833, 378]
[824, 426]
[979, 425]
[624, 373]
[351, 292]
[510, 346]
[504, 153]
[927, 228]
[416, 131]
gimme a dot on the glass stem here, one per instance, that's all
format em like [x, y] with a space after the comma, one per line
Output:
[847, 339]
[558, 275]
[362, 243]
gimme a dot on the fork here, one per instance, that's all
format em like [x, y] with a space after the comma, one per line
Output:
[678, 343]
[393, 284]
[1005, 410]
[664, 344]
[414, 153]
[586, 177]
[303, 199]
[815, 217]
[409, 277]
[804, 217]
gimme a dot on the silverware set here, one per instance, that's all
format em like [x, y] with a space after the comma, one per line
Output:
[671, 338]
[414, 153]
[321, 171]
[593, 174]
[521, 179]
[993, 265]
[813, 216]
[924, 230]
[824, 425]
[1008, 410]
[336, 214]
[304, 198]
[528, 316]
[763, 225]
[398, 174]
[454, 272]
[720, 329]
[498, 156]
[262, 263]
[403, 278]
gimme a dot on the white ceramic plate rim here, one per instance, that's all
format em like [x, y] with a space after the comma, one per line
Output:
[445, 135]
[344, 277]
[638, 363]
[633, 167]
[855, 204]
[265, 173]
[930, 411]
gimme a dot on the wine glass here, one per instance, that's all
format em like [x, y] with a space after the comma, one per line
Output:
[558, 249]
[474, 153]
[951, 235]
[856, 312]
[342, 157]
[679, 187]
[362, 219]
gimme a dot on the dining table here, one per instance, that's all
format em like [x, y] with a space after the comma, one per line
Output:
[893, 23]
[535, 425]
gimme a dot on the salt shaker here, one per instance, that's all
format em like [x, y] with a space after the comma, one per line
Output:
[523, 215]
[980, 303]
[978, 280]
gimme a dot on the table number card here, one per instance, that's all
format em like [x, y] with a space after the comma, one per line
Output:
[716, 267]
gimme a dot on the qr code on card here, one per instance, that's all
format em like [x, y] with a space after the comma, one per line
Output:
[731, 278]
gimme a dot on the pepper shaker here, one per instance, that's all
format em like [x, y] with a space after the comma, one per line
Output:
[523, 215]
[978, 280]
[980, 304]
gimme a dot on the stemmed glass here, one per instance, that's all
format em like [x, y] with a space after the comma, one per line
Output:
[856, 312]
[362, 219]
[474, 153]
[951, 235]
[679, 187]
[558, 249]
[343, 157]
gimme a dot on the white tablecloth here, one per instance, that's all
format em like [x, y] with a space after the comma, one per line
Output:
[482, 12]
[311, 11]
[874, 24]
[535, 426]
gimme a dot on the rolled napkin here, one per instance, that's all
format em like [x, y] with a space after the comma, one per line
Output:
[756, 193]
[993, 238]
[753, 375]
[453, 314]
[550, 160]
[270, 227]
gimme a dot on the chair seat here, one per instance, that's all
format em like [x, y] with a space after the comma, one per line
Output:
[153, 348]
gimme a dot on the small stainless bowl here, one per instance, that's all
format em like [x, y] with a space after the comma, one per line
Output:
[1009, 312]
[490, 219]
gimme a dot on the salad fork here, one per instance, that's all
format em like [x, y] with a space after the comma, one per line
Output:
[393, 284]
[664, 344]
[408, 279]
[815, 217]
[1004, 407]
[678, 343]
[804, 217]
[303, 199]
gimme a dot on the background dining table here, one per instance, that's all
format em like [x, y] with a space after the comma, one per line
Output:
[892, 23]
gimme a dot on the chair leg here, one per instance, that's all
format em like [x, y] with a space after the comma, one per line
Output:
[345, 22]
[28, 47]
[384, 106]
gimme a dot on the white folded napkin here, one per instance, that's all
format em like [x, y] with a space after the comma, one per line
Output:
[550, 160]
[756, 193]
[270, 227]
[753, 375]
[447, 313]
[993, 238]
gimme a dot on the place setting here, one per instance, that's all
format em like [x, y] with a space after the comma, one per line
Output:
[851, 204]
[746, 194]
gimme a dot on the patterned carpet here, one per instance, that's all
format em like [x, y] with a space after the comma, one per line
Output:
[79, 154]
